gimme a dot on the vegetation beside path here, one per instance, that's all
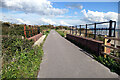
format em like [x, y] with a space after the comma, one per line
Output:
[20, 58]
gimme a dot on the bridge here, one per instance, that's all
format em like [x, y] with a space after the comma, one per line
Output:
[62, 59]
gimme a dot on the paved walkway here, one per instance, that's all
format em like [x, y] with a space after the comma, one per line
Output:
[63, 59]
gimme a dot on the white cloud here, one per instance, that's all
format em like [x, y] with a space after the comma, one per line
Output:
[95, 16]
[41, 7]
[74, 5]
[47, 21]
[20, 21]
[75, 13]
[64, 23]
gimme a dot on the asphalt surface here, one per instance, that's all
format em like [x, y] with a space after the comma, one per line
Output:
[62, 59]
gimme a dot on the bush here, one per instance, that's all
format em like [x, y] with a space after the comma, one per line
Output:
[110, 63]
[20, 59]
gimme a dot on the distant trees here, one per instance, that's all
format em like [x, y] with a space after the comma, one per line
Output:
[62, 27]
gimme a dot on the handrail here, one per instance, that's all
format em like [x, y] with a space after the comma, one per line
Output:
[110, 30]
[113, 38]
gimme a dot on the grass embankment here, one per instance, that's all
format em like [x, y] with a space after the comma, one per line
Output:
[61, 33]
[20, 58]
[110, 63]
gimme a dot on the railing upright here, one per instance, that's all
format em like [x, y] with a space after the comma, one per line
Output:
[25, 30]
[76, 30]
[95, 31]
[80, 30]
[110, 28]
[72, 29]
[32, 31]
[29, 31]
[86, 31]
[114, 28]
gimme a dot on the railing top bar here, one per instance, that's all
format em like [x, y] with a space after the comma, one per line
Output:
[96, 23]
[113, 38]
[102, 22]
[118, 49]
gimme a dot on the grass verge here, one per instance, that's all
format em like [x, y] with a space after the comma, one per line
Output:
[20, 58]
[61, 33]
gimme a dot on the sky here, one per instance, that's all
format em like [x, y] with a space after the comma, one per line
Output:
[58, 12]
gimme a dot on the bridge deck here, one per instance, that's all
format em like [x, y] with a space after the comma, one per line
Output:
[63, 59]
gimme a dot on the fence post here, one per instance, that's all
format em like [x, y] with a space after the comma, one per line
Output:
[110, 28]
[70, 29]
[32, 31]
[25, 30]
[76, 30]
[114, 28]
[38, 30]
[86, 31]
[95, 31]
[105, 48]
[29, 31]
[80, 30]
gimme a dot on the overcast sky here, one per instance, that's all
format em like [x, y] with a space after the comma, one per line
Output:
[42, 12]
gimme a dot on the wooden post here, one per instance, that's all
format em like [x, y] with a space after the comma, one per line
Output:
[29, 31]
[80, 30]
[35, 30]
[38, 30]
[86, 31]
[76, 30]
[70, 29]
[32, 31]
[110, 28]
[25, 30]
[95, 31]
[105, 48]
[114, 28]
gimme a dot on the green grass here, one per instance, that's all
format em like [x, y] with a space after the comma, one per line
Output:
[20, 59]
[61, 33]
[110, 63]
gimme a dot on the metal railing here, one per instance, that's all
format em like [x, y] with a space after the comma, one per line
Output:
[116, 51]
[110, 31]
[31, 31]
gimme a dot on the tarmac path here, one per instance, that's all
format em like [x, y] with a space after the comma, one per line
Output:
[62, 59]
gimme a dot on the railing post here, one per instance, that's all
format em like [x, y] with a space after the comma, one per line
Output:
[86, 31]
[25, 30]
[76, 30]
[32, 31]
[80, 30]
[105, 48]
[38, 30]
[95, 31]
[72, 29]
[110, 28]
[114, 28]
[29, 31]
